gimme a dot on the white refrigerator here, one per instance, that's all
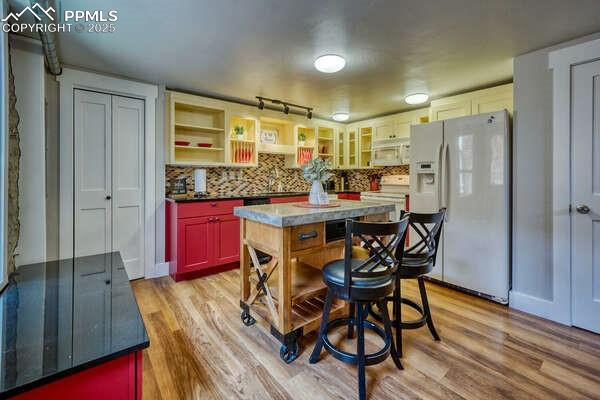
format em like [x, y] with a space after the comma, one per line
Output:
[463, 164]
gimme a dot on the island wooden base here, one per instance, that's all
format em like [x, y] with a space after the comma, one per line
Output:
[293, 298]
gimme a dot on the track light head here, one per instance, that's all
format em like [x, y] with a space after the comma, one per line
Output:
[286, 109]
[309, 114]
[261, 103]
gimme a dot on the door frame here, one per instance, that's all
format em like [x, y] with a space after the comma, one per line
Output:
[561, 63]
[70, 80]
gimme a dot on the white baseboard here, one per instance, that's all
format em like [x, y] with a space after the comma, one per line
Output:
[160, 269]
[537, 306]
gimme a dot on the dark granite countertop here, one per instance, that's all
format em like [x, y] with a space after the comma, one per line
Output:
[60, 317]
[248, 196]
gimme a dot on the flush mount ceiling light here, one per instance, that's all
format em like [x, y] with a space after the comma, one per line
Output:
[330, 63]
[340, 116]
[416, 98]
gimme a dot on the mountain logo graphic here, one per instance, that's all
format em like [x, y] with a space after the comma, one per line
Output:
[32, 10]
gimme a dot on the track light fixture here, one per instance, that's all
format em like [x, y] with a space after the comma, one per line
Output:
[286, 106]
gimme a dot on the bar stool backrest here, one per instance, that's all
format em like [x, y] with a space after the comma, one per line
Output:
[428, 227]
[382, 240]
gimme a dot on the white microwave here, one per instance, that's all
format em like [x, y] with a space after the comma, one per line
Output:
[391, 152]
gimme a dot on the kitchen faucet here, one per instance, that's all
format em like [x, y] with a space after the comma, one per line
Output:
[274, 178]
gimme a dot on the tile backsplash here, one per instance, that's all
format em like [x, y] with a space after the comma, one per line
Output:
[240, 181]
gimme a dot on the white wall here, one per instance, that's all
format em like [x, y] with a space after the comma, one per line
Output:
[28, 70]
[532, 276]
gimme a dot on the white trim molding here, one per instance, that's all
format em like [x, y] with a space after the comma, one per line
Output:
[70, 80]
[561, 62]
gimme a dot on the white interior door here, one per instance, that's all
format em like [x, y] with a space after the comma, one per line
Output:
[476, 247]
[586, 196]
[128, 182]
[93, 175]
[109, 177]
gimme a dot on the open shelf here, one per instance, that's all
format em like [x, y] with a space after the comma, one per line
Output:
[242, 147]
[283, 132]
[195, 123]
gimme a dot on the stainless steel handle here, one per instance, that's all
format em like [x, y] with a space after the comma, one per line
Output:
[446, 181]
[583, 209]
[308, 235]
[437, 178]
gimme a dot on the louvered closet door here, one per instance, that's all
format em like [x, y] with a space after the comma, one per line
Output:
[109, 177]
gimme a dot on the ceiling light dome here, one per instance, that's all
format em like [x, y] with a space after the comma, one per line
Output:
[416, 98]
[330, 63]
[340, 116]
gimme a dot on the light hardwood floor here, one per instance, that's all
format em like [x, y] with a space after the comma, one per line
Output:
[199, 349]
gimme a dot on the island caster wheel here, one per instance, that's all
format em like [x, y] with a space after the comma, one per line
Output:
[289, 353]
[247, 319]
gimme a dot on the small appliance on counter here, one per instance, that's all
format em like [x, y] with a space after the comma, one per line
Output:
[374, 183]
[343, 183]
[330, 185]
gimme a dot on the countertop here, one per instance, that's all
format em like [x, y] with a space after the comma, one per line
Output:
[248, 196]
[63, 316]
[287, 214]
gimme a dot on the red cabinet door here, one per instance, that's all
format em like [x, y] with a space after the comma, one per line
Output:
[194, 244]
[226, 237]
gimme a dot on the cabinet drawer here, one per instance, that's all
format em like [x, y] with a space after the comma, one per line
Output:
[206, 208]
[307, 236]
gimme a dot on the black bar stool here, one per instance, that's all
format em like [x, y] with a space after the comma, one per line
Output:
[362, 282]
[417, 261]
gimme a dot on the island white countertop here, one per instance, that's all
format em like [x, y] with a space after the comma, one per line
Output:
[288, 214]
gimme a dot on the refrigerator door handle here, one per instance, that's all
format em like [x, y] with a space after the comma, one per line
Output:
[445, 178]
[438, 184]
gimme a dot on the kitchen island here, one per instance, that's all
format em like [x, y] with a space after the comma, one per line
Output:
[283, 248]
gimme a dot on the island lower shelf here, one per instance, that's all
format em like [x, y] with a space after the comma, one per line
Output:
[308, 298]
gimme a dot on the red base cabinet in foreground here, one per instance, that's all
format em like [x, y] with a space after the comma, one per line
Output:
[349, 196]
[202, 237]
[118, 379]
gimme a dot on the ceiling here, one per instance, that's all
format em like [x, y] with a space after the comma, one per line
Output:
[244, 48]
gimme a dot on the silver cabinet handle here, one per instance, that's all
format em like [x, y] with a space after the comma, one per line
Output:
[308, 235]
[583, 209]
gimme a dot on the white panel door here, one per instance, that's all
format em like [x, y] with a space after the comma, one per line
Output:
[586, 196]
[109, 177]
[93, 173]
[475, 192]
[128, 182]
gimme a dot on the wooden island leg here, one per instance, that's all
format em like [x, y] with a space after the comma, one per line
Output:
[247, 319]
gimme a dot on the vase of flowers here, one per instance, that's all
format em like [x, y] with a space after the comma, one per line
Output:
[317, 171]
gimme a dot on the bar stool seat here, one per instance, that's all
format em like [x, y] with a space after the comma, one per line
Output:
[333, 274]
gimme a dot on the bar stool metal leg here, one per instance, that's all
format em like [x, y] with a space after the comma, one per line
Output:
[352, 320]
[360, 351]
[398, 315]
[426, 310]
[388, 331]
[314, 357]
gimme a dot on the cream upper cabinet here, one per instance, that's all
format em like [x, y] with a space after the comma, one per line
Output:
[477, 102]
[383, 129]
[493, 99]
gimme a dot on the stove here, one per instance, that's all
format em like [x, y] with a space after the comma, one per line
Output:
[395, 189]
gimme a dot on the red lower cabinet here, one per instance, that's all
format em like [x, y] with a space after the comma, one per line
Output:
[193, 243]
[118, 379]
[204, 237]
[226, 233]
[349, 196]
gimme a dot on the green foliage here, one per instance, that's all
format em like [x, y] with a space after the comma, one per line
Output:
[238, 130]
[301, 137]
[317, 169]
